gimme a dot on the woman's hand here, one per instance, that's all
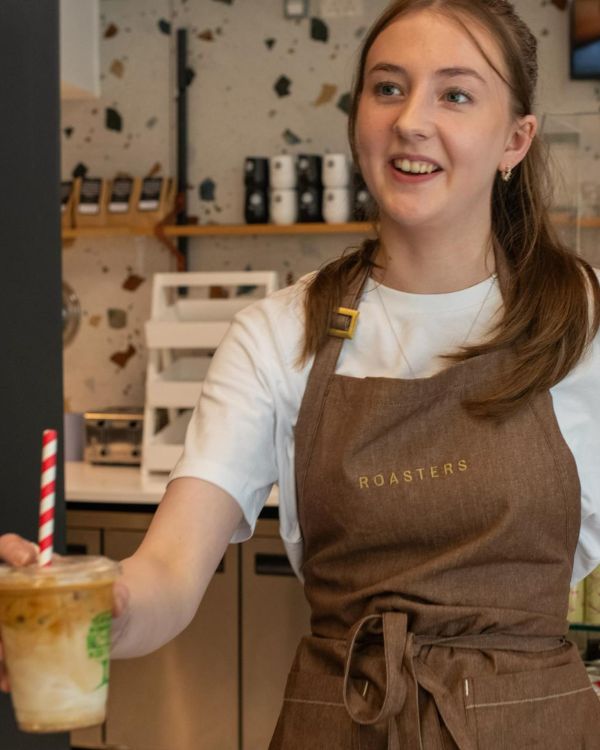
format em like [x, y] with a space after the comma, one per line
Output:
[120, 611]
[120, 599]
[15, 551]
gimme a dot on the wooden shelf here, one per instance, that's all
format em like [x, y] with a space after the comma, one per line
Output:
[212, 230]
[566, 219]
[246, 229]
[93, 232]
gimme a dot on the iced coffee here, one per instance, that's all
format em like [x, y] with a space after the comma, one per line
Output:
[55, 626]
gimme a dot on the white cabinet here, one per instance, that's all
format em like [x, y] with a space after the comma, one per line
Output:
[181, 335]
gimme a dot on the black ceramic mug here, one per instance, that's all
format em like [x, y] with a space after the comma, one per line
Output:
[308, 170]
[256, 172]
[256, 210]
[310, 204]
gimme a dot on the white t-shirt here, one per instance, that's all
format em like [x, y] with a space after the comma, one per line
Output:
[240, 436]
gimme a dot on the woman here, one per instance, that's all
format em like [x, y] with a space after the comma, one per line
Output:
[437, 508]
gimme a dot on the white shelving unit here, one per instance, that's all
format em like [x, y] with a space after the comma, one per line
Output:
[181, 335]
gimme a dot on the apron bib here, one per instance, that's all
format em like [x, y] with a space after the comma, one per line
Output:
[438, 551]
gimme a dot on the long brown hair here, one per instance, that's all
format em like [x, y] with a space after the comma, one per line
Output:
[546, 290]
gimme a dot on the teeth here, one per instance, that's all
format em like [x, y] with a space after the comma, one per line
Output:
[414, 167]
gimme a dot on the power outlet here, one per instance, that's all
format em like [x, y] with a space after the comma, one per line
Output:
[340, 8]
[295, 8]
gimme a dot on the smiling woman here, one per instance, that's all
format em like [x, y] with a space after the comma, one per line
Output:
[437, 507]
[469, 133]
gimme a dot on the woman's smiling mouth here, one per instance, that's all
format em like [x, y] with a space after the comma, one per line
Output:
[409, 171]
[414, 166]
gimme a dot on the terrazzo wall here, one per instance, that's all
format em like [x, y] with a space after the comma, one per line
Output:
[259, 84]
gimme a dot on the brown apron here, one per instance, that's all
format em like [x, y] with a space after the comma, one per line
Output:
[438, 551]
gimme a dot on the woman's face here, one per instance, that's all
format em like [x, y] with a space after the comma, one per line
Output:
[418, 110]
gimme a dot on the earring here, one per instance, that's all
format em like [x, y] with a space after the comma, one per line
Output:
[507, 174]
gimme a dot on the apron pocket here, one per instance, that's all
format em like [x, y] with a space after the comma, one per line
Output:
[544, 709]
[313, 714]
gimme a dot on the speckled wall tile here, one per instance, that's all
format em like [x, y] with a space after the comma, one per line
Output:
[272, 253]
[128, 128]
[105, 363]
[259, 85]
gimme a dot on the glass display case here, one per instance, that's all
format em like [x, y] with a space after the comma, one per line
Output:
[574, 159]
[584, 619]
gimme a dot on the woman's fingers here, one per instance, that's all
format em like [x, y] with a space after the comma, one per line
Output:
[4, 684]
[17, 551]
[120, 599]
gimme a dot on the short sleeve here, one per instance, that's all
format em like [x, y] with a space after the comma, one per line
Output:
[230, 440]
[576, 402]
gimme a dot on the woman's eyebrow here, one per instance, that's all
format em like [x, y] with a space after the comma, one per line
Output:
[452, 72]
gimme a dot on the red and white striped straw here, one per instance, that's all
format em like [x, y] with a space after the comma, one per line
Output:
[47, 497]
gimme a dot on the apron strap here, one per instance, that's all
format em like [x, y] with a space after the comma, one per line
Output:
[394, 646]
[397, 642]
[319, 378]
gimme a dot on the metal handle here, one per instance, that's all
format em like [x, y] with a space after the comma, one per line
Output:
[77, 549]
[272, 565]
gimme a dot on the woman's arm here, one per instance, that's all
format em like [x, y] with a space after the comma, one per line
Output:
[165, 580]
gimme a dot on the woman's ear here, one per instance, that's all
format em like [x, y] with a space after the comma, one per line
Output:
[521, 137]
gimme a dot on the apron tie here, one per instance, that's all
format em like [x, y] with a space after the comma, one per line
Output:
[398, 693]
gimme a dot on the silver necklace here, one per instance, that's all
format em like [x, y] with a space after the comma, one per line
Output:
[493, 278]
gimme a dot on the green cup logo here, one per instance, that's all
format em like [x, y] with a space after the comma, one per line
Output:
[98, 643]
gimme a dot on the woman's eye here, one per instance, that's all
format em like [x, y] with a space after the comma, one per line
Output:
[459, 93]
[386, 89]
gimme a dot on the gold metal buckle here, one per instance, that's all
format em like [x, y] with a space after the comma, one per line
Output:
[345, 333]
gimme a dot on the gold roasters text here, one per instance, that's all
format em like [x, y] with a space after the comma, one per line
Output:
[391, 478]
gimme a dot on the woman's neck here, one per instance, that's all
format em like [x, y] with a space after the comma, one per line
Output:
[430, 262]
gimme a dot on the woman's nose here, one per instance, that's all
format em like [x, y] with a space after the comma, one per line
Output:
[414, 118]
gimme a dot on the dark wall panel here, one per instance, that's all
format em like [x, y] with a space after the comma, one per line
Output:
[30, 280]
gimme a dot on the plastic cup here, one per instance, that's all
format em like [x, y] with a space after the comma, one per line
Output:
[55, 624]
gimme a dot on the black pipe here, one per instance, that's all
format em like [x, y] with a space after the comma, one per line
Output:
[182, 136]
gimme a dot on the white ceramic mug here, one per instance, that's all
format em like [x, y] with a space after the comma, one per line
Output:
[337, 205]
[284, 206]
[336, 171]
[282, 172]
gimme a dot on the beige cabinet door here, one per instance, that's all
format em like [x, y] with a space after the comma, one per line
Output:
[85, 542]
[275, 615]
[185, 695]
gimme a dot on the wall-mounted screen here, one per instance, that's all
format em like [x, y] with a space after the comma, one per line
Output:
[585, 39]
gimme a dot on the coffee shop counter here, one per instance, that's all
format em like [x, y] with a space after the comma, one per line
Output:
[90, 483]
